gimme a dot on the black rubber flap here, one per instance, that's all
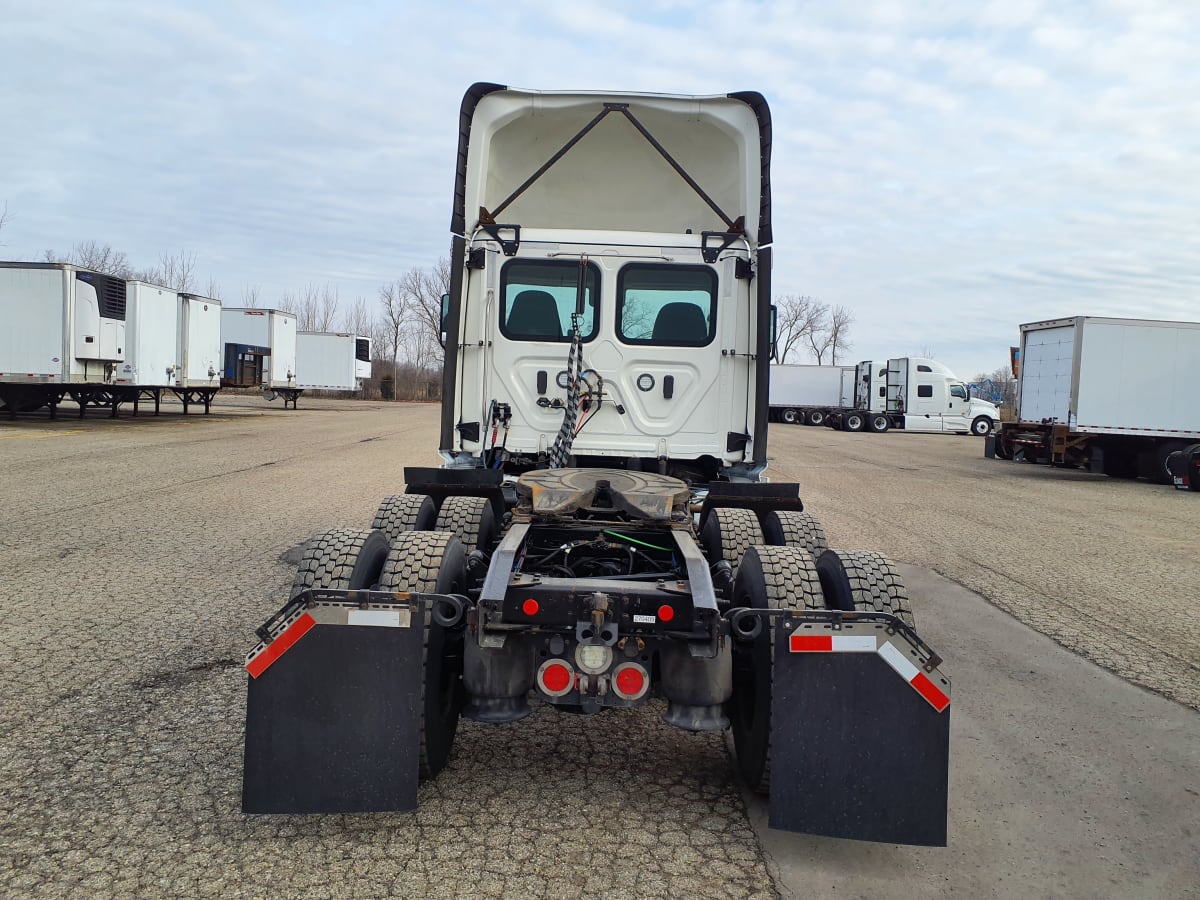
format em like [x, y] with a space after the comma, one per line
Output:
[856, 752]
[333, 725]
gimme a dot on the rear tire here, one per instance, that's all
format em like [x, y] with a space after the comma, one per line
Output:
[853, 421]
[405, 512]
[1157, 471]
[878, 423]
[862, 581]
[433, 561]
[728, 533]
[346, 559]
[788, 528]
[769, 578]
[815, 417]
[471, 518]
[790, 416]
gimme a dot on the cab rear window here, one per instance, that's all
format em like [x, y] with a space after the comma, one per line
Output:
[537, 300]
[670, 306]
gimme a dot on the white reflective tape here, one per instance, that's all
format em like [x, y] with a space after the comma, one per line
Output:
[858, 643]
[382, 618]
[898, 661]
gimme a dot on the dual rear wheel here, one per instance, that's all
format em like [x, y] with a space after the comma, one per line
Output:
[788, 578]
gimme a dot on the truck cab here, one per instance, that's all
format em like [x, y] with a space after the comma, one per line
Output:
[932, 398]
[582, 316]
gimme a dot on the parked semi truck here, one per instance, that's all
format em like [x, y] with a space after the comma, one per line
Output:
[914, 395]
[803, 394]
[1116, 395]
[599, 537]
[332, 361]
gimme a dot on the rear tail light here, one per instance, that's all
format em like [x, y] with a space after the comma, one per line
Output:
[630, 681]
[556, 678]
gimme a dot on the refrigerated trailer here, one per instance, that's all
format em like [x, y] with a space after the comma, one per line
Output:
[806, 394]
[260, 351]
[1116, 395]
[63, 334]
[332, 361]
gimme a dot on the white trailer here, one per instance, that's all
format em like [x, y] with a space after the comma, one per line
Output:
[62, 324]
[198, 359]
[62, 333]
[1118, 395]
[806, 393]
[260, 351]
[332, 361]
[151, 323]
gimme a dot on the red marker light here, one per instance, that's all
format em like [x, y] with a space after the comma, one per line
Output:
[630, 680]
[556, 678]
[530, 607]
[665, 613]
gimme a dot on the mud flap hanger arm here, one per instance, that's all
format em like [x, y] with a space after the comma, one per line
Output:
[447, 609]
[487, 219]
[746, 624]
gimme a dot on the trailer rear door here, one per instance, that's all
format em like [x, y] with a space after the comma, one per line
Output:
[1047, 359]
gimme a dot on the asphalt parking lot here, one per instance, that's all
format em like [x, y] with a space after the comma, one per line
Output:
[137, 557]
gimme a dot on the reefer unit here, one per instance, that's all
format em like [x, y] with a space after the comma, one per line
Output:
[262, 341]
[61, 324]
[332, 361]
[151, 320]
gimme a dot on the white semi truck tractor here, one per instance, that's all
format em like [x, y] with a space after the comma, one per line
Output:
[599, 536]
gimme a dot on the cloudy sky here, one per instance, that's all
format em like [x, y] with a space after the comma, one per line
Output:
[946, 170]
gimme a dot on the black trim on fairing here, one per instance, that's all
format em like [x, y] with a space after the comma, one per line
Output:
[475, 93]
[762, 111]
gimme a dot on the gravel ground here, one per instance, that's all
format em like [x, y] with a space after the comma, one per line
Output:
[137, 557]
[1107, 568]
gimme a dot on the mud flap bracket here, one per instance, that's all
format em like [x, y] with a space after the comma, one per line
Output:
[860, 731]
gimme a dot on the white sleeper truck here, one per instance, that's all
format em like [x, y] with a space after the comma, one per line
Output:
[914, 395]
[599, 537]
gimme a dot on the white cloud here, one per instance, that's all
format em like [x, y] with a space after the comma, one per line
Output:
[946, 170]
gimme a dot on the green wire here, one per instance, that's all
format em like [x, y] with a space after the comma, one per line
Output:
[634, 540]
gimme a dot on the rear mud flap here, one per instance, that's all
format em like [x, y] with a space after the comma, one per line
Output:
[860, 733]
[333, 712]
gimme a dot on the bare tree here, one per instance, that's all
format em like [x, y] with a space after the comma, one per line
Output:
[213, 290]
[796, 318]
[316, 307]
[840, 321]
[391, 327]
[95, 256]
[422, 291]
[250, 296]
[173, 271]
[357, 317]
